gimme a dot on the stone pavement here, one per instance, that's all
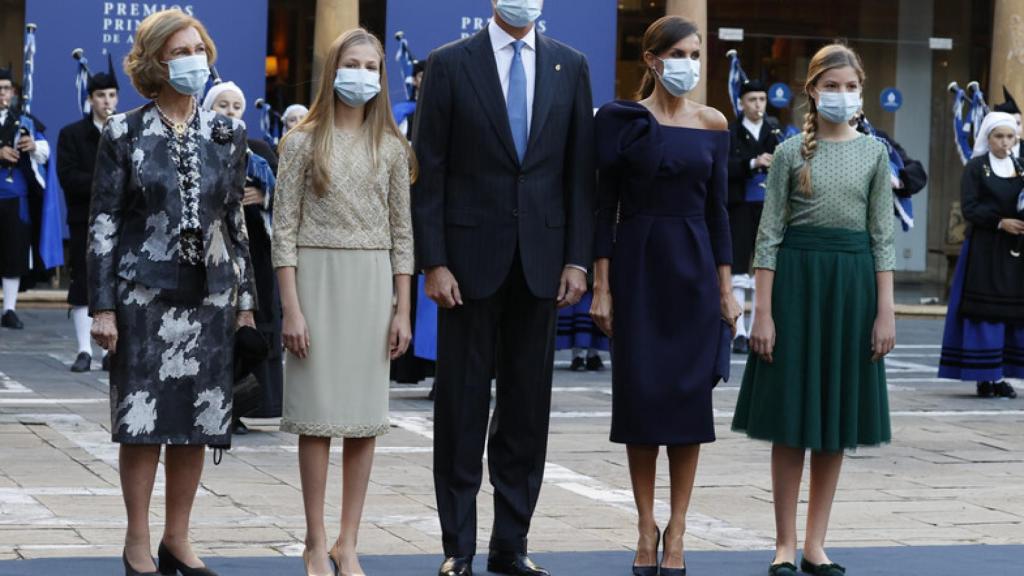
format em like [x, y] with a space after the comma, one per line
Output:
[951, 477]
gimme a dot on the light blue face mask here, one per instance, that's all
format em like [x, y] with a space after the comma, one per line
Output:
[839, 107]
[519, 13]
[680, 75]
[188, 75]
[356, 86]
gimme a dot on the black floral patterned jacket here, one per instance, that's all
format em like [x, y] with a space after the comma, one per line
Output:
[136, 211]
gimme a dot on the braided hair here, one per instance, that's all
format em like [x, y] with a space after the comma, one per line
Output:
[830, 57]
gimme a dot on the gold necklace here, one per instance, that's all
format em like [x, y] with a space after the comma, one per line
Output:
[179, 128]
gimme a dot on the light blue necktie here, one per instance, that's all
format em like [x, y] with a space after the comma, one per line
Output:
[516, 101]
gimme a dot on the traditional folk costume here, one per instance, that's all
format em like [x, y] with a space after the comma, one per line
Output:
[822, 391]
[748, 140]
[983, 339]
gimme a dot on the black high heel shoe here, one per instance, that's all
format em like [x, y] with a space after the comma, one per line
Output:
[669, 571]
[129, 571]
[169, 565]
[648, 570]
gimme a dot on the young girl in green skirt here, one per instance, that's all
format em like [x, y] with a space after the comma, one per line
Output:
[815, 378]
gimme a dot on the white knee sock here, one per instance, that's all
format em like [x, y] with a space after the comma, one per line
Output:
[83, 324]
[740, 294]
[11, 286]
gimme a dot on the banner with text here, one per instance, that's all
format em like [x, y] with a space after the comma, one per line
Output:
[238, 28]
[589, 27]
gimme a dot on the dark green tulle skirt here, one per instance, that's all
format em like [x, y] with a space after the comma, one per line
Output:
[822, 392]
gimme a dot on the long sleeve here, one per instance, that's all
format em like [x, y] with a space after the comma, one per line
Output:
[41, 155]
[715, 211]
[431, 133]
[607, 211]
[976, 210]
[739, 162]
[773, 216]
[291, 180]
[105, 211]
[74, 178]
[881, 224]
[399, 214]
[235, 217]
[579, 170]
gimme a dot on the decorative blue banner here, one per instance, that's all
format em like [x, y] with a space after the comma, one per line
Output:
[891, 99]
[428, 25]
[779, 95]
[238, 28]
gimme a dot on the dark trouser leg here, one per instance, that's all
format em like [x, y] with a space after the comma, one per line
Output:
[465, 350]
[517, 445]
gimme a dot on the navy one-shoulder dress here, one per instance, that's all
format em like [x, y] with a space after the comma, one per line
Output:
[662, 221]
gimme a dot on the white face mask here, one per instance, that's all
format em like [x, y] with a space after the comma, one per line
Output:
[188, 75]
[519, 13]
[356, 86]
[680, 75]
[839, 107]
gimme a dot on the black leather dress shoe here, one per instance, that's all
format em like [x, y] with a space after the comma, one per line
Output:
[83, 363]
[514, 563]
[456, 566]
[579, 364]
[10, 320]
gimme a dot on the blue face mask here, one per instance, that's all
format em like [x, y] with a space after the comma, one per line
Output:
[188, 75]
[356, 86]
[519, 13]
[839, 107]
[680, 75]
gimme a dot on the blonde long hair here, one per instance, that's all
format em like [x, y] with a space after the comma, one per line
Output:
[319, 123]
[830, 57]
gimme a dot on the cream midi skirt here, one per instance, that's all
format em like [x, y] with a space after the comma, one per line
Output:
[340, 389]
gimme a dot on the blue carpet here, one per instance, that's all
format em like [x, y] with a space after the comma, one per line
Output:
[905, 561]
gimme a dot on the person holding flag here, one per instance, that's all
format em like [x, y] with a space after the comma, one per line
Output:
[24, 157]
[753, 138]
[908, 176]
[76, 161]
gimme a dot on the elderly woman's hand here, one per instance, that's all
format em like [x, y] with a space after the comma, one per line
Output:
[104, 330]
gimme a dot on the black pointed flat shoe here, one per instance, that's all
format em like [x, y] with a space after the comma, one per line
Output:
[821, 569]
[782, 569]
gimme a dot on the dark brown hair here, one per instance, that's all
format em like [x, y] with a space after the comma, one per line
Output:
[660, 36]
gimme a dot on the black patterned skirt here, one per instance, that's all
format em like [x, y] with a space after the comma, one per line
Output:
[171, 376]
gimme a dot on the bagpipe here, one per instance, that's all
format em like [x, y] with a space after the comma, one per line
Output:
[83, 77]
[1018, 248]
[756, 185]
[24, 124]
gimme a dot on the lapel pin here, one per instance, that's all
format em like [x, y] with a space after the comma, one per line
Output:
[558, 67]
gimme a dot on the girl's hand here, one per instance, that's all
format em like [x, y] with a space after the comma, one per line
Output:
[762, 337]
[883, 336]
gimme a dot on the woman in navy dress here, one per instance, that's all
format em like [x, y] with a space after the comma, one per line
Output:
[663, 276]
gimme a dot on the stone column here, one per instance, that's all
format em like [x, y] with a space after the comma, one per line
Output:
[332, 18]
[697, 11]
[1007, 51]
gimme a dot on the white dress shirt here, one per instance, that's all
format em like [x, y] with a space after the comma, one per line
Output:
[501, 41]
[42, 152]
[755, 131]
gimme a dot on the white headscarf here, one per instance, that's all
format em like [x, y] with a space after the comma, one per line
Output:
[294, 109]
[219, 89]
[992, 121]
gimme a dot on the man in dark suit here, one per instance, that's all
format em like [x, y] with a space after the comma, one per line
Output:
[753, 137]
[76, 161]
[503, 222]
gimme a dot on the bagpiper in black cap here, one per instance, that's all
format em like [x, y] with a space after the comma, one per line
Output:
[1009, 105]
[7, 73]
[103, 81]
[752, 86]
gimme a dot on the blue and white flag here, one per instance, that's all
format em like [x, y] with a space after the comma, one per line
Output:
[405, 58]
[961, 131]
[977, 110]
[82, 82]
[736, 79]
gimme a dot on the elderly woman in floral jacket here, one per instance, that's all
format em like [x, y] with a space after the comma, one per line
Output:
[169, 279]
